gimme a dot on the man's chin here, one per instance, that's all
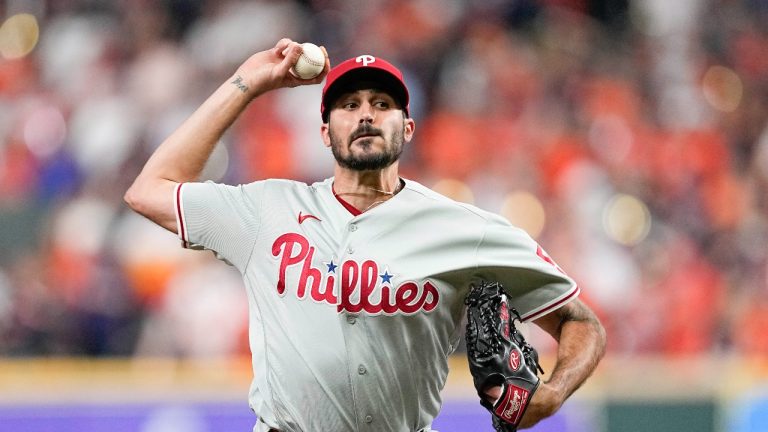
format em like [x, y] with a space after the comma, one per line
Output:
[368, 163]
[366, 151]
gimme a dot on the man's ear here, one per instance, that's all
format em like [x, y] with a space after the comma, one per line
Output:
[409, 127]
[325, 133]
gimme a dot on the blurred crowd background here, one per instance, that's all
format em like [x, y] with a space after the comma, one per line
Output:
[629, 138]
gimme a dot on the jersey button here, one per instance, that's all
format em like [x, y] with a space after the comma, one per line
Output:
[353, 227]
[361, 370]
[351, 319]
[350, 250]
[368, 418]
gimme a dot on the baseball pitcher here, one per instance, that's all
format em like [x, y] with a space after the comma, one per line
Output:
[357, 285]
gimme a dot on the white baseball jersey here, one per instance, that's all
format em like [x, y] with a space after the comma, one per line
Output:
[352, 318]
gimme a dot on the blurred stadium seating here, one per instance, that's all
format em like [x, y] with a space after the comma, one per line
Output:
[629, 138]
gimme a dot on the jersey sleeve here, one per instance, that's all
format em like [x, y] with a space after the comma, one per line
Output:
[535, 283]
[220, 218]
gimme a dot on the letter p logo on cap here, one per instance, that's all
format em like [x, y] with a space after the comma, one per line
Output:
[365, 59]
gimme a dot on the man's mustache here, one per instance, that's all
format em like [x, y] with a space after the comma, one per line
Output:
[365, 130]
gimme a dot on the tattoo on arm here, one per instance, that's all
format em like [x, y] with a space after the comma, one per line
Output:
[238, 82]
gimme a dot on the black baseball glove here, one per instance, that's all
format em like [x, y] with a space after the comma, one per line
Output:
[499, 355]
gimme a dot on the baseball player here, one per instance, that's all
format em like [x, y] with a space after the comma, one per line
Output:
[355, 284]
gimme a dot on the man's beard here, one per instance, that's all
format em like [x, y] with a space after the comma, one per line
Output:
[367, 161]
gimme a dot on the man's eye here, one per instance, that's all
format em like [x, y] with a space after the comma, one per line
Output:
[349, 105]
[381, 104]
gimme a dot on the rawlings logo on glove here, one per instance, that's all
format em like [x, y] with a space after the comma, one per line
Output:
[499, 355]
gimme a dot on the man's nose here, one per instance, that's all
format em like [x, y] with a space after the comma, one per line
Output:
[366, 113]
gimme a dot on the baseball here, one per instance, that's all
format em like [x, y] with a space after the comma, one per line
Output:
[310, 63]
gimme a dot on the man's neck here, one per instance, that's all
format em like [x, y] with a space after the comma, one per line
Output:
[366, 189]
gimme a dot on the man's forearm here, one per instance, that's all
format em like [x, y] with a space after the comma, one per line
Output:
[183, 155]
[581, 345]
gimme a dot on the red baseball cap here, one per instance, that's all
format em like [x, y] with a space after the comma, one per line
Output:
[363, 70]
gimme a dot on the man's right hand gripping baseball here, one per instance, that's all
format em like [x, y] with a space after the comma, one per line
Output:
[182, 156]
[270, 69]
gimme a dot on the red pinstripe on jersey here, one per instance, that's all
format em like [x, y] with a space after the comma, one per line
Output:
[180, 224]
[540, 312]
